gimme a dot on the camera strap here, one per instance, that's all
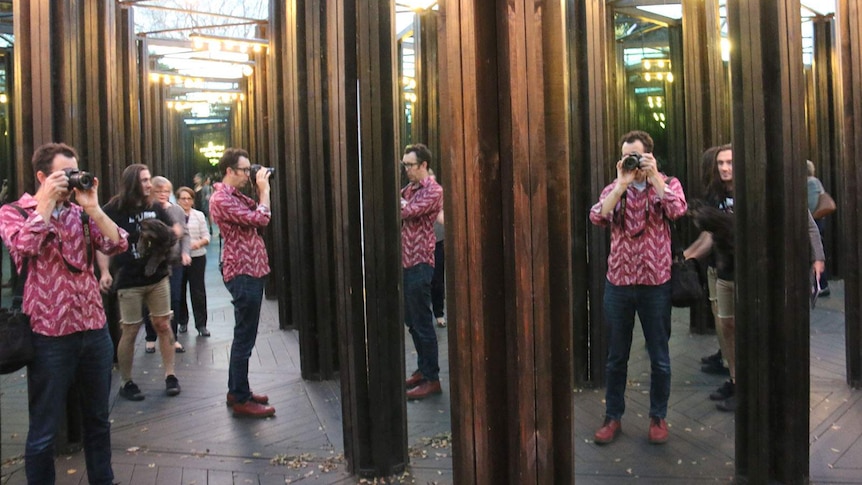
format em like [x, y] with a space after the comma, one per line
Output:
[623, 200]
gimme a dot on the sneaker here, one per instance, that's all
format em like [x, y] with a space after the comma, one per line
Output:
[728, 405]
[172, 385]
[824, 292]
[131, 391]
[709, 359]
[724, 392]
[441, 322]
[657, 430]
[609, 431]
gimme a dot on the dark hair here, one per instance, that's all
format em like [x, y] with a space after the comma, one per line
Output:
[717, 191]
[707, 167]
[230, 158]
[423, 154]
[43, 157]
[641, 136]
[131, 196]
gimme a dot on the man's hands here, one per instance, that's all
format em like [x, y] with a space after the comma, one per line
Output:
[106, 281]
[262, 179]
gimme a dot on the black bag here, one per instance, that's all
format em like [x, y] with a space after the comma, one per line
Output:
[16, 336]
[686, 289]
[16, 340]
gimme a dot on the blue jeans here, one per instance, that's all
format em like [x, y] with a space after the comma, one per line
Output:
[652, 304]
[247, 293]
[85, 358]
[419, 318]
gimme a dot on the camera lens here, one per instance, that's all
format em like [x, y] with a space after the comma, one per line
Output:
[631, 162]
[79, 179]
[256, 167]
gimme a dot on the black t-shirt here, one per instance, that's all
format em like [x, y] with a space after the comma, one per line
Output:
[128, 267]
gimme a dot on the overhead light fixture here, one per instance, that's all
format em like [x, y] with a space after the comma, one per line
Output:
[216, 43]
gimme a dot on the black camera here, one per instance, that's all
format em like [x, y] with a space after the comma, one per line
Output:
[78, 179]
[256, 167]
[632, 161]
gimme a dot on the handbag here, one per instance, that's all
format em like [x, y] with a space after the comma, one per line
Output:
[825, 206]
[686, 289]
[16, 336]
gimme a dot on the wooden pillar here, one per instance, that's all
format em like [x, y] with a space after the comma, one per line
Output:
[67, 82]
[825, 129]
[509, 214]
[772, 255]
[850, 183]
[426, 116]
[302, 180]
[592, 80]
[359, 74]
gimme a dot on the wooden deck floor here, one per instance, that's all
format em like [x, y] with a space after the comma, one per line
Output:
[193, 439]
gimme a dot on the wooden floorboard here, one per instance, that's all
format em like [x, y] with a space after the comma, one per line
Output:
[193, 439]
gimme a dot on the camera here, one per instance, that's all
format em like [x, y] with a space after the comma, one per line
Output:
[256, 167]
[78, 179]
[632, 161]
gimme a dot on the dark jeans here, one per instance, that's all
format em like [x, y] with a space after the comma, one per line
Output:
[193, 277]
[85, 358]
[247, 293]
[824, 277]
[419, 318]
[438, 282]
[652, 304]
[176, 279]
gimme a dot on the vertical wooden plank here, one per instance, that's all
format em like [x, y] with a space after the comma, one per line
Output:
[850, 184]
[772, 257]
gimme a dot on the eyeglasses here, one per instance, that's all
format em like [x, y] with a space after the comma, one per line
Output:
[186, 198]
[408, 165]
[246, 170]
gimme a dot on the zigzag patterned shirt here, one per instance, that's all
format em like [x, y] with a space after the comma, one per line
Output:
[424, 200]
[58, 301]
[239, 218]
[641, 251]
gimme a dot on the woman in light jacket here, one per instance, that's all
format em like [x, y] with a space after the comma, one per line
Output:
[193, 275]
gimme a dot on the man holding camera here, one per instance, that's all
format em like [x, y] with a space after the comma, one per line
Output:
[56, 240]
[421, 202]
[244, 268]
[637, 206]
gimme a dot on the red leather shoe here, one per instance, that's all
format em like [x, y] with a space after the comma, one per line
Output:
[252, 409]
[657, 431]
[608, 432]
[230, 400]
[423, 390]
[414, 380]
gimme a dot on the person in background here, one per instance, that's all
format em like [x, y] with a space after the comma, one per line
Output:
[637, 207]
[244, 270]
[193, 275]
[61, 296]
[421, 202]
[161, 194]
[438, 281]
[203, 193]
[815, 188]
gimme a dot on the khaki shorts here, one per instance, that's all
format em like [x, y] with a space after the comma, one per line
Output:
[724, 291]
[711, 277]
[157, 297]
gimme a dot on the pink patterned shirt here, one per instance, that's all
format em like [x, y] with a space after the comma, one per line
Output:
[641, 251]
[423, 202]
[58, 301]
[239, 218]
